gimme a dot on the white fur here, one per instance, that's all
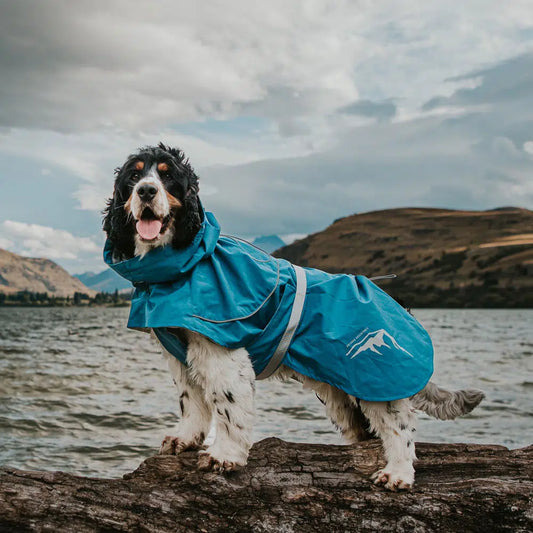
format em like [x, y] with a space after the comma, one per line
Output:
[218, 385]
[195, 419]
[395, 423]
[159, 205]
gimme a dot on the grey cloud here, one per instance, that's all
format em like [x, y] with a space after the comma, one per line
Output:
[287, 107]
[507, 82]
[42, 46]
[74, 66]
[472, 161]
[366, 108]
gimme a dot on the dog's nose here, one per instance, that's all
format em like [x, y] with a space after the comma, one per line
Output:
[146, 192]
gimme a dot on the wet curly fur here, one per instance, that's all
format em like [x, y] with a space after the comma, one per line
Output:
[118, 223]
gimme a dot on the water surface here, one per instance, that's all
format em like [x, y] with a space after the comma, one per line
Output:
[81, 393]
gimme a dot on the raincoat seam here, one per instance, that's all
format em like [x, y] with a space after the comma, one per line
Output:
[251, 314]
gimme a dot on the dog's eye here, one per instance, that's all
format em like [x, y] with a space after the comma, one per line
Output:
[134, 176]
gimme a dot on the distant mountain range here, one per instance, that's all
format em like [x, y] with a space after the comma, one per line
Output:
[106, 281]
[19, 273]
[443, 258]
[268, 243]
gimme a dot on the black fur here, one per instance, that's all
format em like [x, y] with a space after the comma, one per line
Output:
[180, 181]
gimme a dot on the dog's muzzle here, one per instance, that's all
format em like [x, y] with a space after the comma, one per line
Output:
[150, 208]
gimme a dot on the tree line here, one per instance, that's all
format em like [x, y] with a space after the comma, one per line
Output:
[29, 298]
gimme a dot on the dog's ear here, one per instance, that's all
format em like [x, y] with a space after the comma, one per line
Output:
[107, 222]
[117, 225]
[189, 218]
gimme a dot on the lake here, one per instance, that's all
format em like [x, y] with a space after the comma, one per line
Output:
[80, 392]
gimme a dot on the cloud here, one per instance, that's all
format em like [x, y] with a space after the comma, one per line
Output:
[477, 158]
[6, 244]
[367, 108]
[91, 157]
[78, 68]
[291, 237]
[508, 82]
[293, 113]
[72, 67]
[34, 240]
[528, 147]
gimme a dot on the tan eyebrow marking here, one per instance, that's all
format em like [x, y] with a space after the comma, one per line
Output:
[173, 202]
[127, 205]
[162, 167]
[139, 165]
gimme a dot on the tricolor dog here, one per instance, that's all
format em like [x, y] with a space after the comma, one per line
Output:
[227, 313]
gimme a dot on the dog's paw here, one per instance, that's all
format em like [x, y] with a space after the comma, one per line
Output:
[395, 480]
[175, 445]
[207, 462]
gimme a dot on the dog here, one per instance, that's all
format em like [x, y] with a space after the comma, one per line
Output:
[155, 211]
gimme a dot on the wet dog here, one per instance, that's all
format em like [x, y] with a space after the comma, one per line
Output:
[155, 206]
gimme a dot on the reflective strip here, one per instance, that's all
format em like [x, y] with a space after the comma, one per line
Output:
[294, 320]
[386, 276]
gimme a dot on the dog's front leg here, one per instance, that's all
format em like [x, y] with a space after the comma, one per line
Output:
[395, 423]
[195, 416]
[228, 379]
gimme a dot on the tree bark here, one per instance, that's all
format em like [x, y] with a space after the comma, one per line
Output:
[285, 487]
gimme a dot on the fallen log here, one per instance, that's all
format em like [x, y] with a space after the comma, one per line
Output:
[285, 487]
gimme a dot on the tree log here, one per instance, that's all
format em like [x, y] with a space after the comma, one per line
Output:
[285, 487]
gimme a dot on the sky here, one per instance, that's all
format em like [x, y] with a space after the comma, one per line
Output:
[293, 113]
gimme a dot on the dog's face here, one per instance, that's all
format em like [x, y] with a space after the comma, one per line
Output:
[155, 203]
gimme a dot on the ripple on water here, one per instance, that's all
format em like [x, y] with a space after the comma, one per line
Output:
[80, 392]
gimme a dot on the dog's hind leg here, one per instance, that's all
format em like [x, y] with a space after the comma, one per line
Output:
[395, 423]
[228, 380]
[195, 417]
[344, 414]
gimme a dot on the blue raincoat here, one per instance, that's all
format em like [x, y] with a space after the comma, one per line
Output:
[336, 328]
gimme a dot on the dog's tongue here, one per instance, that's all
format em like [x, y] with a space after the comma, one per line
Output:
[148, 229]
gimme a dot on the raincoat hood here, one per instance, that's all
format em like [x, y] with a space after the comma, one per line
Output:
[163, 264]
[336, 328]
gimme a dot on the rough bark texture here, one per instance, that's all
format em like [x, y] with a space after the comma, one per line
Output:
[285, 487]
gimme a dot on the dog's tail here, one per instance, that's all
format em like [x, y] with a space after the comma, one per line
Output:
[444, 404]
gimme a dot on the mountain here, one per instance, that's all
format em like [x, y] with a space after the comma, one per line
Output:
[443, 258]
[106, 281]
[268, 243]
[19, 273]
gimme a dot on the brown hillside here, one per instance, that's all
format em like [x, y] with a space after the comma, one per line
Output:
[19, 273]
[442, 257]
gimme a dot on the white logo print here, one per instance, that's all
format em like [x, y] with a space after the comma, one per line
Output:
[372, 341]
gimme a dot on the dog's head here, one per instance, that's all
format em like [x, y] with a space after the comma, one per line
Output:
[155, 203]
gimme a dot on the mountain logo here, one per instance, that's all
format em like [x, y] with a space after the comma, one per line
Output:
[372, 341]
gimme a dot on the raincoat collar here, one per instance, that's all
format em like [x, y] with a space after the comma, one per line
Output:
[166, 264]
